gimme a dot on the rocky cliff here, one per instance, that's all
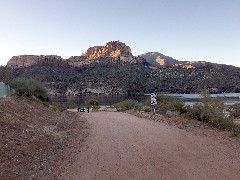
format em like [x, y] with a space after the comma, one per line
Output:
[29, 60]
[113, 52]
[113, 49]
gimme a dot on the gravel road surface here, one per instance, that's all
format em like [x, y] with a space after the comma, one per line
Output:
[122, 146]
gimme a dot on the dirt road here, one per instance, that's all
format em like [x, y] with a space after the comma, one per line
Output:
[122, 146]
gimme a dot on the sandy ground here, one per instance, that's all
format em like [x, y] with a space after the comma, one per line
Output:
[123, 146]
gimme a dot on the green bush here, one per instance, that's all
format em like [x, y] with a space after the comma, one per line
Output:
[34, 99]
[236, 133]
[125, 105]
[235, 110]
[92, 103]
[167, 103]
[142, 107]
[147, 101]
[210, 111]
[29, 87]
[161, 98]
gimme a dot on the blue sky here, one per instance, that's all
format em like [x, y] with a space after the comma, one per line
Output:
[205, 30]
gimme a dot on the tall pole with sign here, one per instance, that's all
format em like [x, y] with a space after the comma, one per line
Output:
[153, 101]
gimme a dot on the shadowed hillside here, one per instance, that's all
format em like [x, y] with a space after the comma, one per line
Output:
[112, 69]
[105, 76]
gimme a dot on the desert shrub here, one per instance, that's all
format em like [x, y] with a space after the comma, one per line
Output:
[235, 110]
[144, 108]
[161, 98]
[92, 103]
[147, 102]
[34, 99]
[148, 109]
[236, 133]
[162, 108]
[139, 106]
[56, 107]
[167, 103]
[210, 111]
[29, 87]
[125, 105]
[236, 130]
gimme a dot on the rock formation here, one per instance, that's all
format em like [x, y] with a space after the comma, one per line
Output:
[77, 61]
[113, 49]
[29, 60]
[158, 59]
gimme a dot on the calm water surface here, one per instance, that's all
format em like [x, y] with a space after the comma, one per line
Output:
[189, 99]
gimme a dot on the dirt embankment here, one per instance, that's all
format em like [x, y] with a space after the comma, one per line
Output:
[37, 142]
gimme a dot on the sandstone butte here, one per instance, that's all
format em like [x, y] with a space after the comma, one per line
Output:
[114, 49]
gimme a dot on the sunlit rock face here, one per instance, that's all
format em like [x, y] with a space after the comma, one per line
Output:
[29, 60]
[112, 49]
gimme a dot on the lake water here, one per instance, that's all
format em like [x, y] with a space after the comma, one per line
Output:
[5, 90]
[189, 99]
[197, 96]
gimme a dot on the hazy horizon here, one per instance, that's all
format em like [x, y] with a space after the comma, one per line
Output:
[187, 30]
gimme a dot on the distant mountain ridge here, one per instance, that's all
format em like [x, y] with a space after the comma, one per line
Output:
[114, 50]
[112, 69]
[157, 59]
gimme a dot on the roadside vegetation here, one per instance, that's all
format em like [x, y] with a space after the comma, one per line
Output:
[235, 110]
[210, 111]
[125, 105]
[94, 104]
[33, 90]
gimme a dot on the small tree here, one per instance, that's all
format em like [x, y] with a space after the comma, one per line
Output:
[92, 103]
[29, 87]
